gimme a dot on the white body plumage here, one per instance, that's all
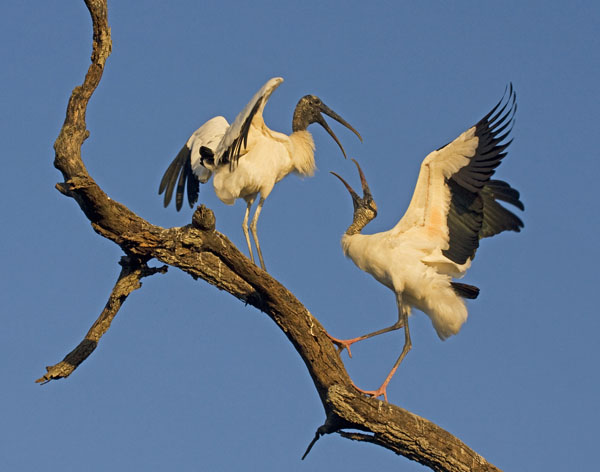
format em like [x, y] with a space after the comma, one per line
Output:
[267, 159]
[399, 263]
[247, 158]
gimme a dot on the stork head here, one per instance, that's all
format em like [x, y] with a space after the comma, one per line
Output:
[365, 208]
[308, 111]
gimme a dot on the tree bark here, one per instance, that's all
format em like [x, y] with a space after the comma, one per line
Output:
[204, 253]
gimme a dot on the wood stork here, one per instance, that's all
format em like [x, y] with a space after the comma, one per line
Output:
[246, 157]
[454, 205]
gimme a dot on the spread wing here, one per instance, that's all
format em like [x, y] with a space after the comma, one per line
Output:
[235, 139]
[454, 200]
[187, 166]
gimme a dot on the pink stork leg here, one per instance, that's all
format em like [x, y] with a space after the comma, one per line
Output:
[346, 343]
[407, 346]
[249, 202]
[255, 234]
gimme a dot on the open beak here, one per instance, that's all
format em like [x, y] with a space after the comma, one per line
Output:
[329, 112]
[353, 194]
[367, 196]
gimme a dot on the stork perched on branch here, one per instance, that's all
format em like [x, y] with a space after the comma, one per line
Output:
[454, 205]
[246, 157]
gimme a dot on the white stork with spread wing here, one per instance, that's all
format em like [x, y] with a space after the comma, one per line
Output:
[247, 158]
[454, 205]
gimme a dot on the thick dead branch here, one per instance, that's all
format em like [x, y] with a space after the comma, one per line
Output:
[404, 433]
[204, 253]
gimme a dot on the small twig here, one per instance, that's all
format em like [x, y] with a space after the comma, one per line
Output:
[332, 425]
[318, 434]
[133, 269]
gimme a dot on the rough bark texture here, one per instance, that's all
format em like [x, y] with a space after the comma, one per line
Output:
[207, 254]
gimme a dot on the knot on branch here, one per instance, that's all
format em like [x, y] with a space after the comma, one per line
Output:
[204, 219]
[131, 263]
[69, 187]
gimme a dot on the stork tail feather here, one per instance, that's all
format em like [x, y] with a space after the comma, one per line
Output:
[465, 290]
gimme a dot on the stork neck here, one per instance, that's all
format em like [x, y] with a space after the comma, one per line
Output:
[300, 121]
[360, 221]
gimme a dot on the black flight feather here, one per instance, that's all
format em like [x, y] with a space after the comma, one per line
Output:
[167, 184]
[232, 154]
[474, 212]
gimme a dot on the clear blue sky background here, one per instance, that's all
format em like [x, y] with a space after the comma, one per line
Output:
[188, 378]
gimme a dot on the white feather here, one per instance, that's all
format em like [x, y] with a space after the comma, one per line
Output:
[235, 129]
[208, 135]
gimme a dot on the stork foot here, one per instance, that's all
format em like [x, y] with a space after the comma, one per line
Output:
[343, 344]
[381, 391]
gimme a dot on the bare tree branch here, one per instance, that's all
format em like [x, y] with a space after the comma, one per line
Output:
[201, 251]
[133, 270]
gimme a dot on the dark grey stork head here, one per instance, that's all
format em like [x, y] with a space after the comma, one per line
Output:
[309, 109]
[365, 208]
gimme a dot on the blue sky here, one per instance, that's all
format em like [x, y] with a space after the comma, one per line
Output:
[188, 378]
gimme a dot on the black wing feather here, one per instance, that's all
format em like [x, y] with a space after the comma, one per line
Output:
[503, 191]
[465, 218]
[496, 218]
[474, 212]
[232, 153]
[178, 172]
[181, 184]
[193, 188]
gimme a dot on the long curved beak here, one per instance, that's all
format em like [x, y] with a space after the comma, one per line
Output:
[329, 112]
[367, 196]
[363, 181]
[354, 195]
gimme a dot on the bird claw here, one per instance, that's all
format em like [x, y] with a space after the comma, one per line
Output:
[381, 391]
[342, 344]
